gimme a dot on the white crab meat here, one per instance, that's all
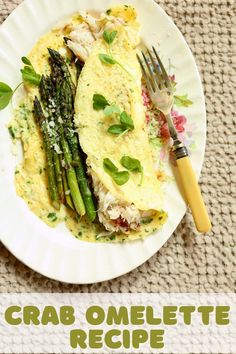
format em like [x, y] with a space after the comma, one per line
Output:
[82, 36]
[81, 41]
[115, 215]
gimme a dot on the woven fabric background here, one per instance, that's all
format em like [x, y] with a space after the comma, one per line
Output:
[188, 262]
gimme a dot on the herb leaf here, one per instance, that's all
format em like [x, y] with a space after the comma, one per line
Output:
[5, 95]
[109, 36]
[26, 61]
[109, 110]
[116, 129]
[119, 177]
[126, 120]
[146, 221]
[107, 59]
[109, 166]
[99, 102]
[182, 101]
[29, 74]
[131, 164]
[126, 125]
[52, 217]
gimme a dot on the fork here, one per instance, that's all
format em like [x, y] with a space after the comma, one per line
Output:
[161, 94]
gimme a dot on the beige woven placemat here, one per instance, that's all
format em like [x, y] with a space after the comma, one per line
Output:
[188, 262]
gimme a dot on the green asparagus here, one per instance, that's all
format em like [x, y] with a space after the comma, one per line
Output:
[57, 59]
[43, 124]
[68, 199]
[58, 173]
[49, 96]
[45, 91]
[66, 100]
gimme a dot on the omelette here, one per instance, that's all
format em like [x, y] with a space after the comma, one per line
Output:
[110, 121]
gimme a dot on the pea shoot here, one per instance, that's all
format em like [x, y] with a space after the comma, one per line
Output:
[119, 177]
[29, 75]
[108, 59]
[132, 165]
[126, 122]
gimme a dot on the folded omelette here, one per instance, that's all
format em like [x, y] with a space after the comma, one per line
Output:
[121, 208]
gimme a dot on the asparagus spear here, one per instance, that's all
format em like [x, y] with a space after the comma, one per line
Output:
[43, 124]
[58, 60]
[69, 201]
[66, 100]
[71, 178]
[49, 95]
[45, 94]
[67, 117]
[58, 173]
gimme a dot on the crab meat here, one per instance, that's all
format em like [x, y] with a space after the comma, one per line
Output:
[82, 36]
[115, 215]
[81, 41]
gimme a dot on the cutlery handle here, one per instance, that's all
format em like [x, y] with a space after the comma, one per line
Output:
[193, 194]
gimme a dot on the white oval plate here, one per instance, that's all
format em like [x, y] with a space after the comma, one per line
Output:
[54, 252]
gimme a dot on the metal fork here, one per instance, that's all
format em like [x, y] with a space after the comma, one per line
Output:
[161, 94]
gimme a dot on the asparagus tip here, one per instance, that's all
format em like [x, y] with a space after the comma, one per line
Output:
[53, 53]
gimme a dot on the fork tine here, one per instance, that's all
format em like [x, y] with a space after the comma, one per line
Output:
[157, 72]
[148, 82]
[152, 80]
[163, 70]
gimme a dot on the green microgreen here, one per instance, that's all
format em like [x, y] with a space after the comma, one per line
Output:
[109, 166]
[111, 109]
[6, 94]
[107, 59]
[26, 61]
[126, 124]
[99, 102]
[29, 74]
[109, 36]
[146, 221]
[117, 129]
[126, 120]
[119, 177]
[52, 217]
[133, 165]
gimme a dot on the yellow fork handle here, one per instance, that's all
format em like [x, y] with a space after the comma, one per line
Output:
[193, 194]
